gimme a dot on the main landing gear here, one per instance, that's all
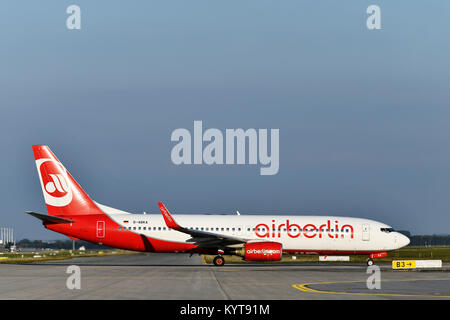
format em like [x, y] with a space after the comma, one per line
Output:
[219, 261]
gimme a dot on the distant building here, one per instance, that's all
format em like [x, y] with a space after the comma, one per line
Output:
[6, 236]
[430, 240]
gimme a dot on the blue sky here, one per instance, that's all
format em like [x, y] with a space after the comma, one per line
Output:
[363, 115]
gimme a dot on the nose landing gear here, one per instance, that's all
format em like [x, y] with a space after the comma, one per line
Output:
[369, 262]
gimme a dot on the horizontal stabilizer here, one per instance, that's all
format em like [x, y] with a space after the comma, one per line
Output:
[49, 219]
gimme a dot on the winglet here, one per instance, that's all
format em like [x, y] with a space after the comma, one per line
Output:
[170, 222]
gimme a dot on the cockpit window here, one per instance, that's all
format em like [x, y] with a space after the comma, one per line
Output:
[387, 230]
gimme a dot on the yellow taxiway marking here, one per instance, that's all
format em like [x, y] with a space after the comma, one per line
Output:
[304, 287]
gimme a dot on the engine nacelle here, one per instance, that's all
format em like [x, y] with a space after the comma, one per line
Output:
[261, 251]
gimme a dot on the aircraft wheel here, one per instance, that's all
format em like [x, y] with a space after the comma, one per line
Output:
[369, 262]
[219, 261]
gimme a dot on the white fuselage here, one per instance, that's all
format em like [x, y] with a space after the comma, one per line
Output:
[313, 234]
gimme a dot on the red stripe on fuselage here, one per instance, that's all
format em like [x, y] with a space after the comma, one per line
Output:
[84, 228]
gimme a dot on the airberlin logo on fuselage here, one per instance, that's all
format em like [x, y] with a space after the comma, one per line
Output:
[309, 230]
[54, 182]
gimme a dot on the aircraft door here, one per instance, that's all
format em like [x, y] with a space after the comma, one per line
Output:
[366, 232]
[100, 229]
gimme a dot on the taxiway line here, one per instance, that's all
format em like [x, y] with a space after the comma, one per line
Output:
[305, 288]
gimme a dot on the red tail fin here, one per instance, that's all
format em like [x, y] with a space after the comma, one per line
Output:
[62, 194]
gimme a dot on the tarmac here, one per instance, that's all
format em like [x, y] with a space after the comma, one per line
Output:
[180, 277]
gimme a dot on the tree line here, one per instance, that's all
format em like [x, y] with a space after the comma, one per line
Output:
[58, 244]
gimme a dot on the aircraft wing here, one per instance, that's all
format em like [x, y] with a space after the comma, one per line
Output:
[202, 238]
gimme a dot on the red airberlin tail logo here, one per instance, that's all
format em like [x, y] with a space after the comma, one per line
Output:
[54, 182]
[58, 184]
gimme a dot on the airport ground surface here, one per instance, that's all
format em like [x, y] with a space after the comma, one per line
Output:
[178, 276]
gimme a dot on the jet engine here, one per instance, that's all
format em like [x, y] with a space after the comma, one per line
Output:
[260, 251]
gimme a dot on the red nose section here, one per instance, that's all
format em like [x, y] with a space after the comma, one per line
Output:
[62, 194]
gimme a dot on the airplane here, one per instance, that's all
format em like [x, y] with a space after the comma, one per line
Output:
[253, 237]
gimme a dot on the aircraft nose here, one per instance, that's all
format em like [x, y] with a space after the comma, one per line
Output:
[403, 240]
